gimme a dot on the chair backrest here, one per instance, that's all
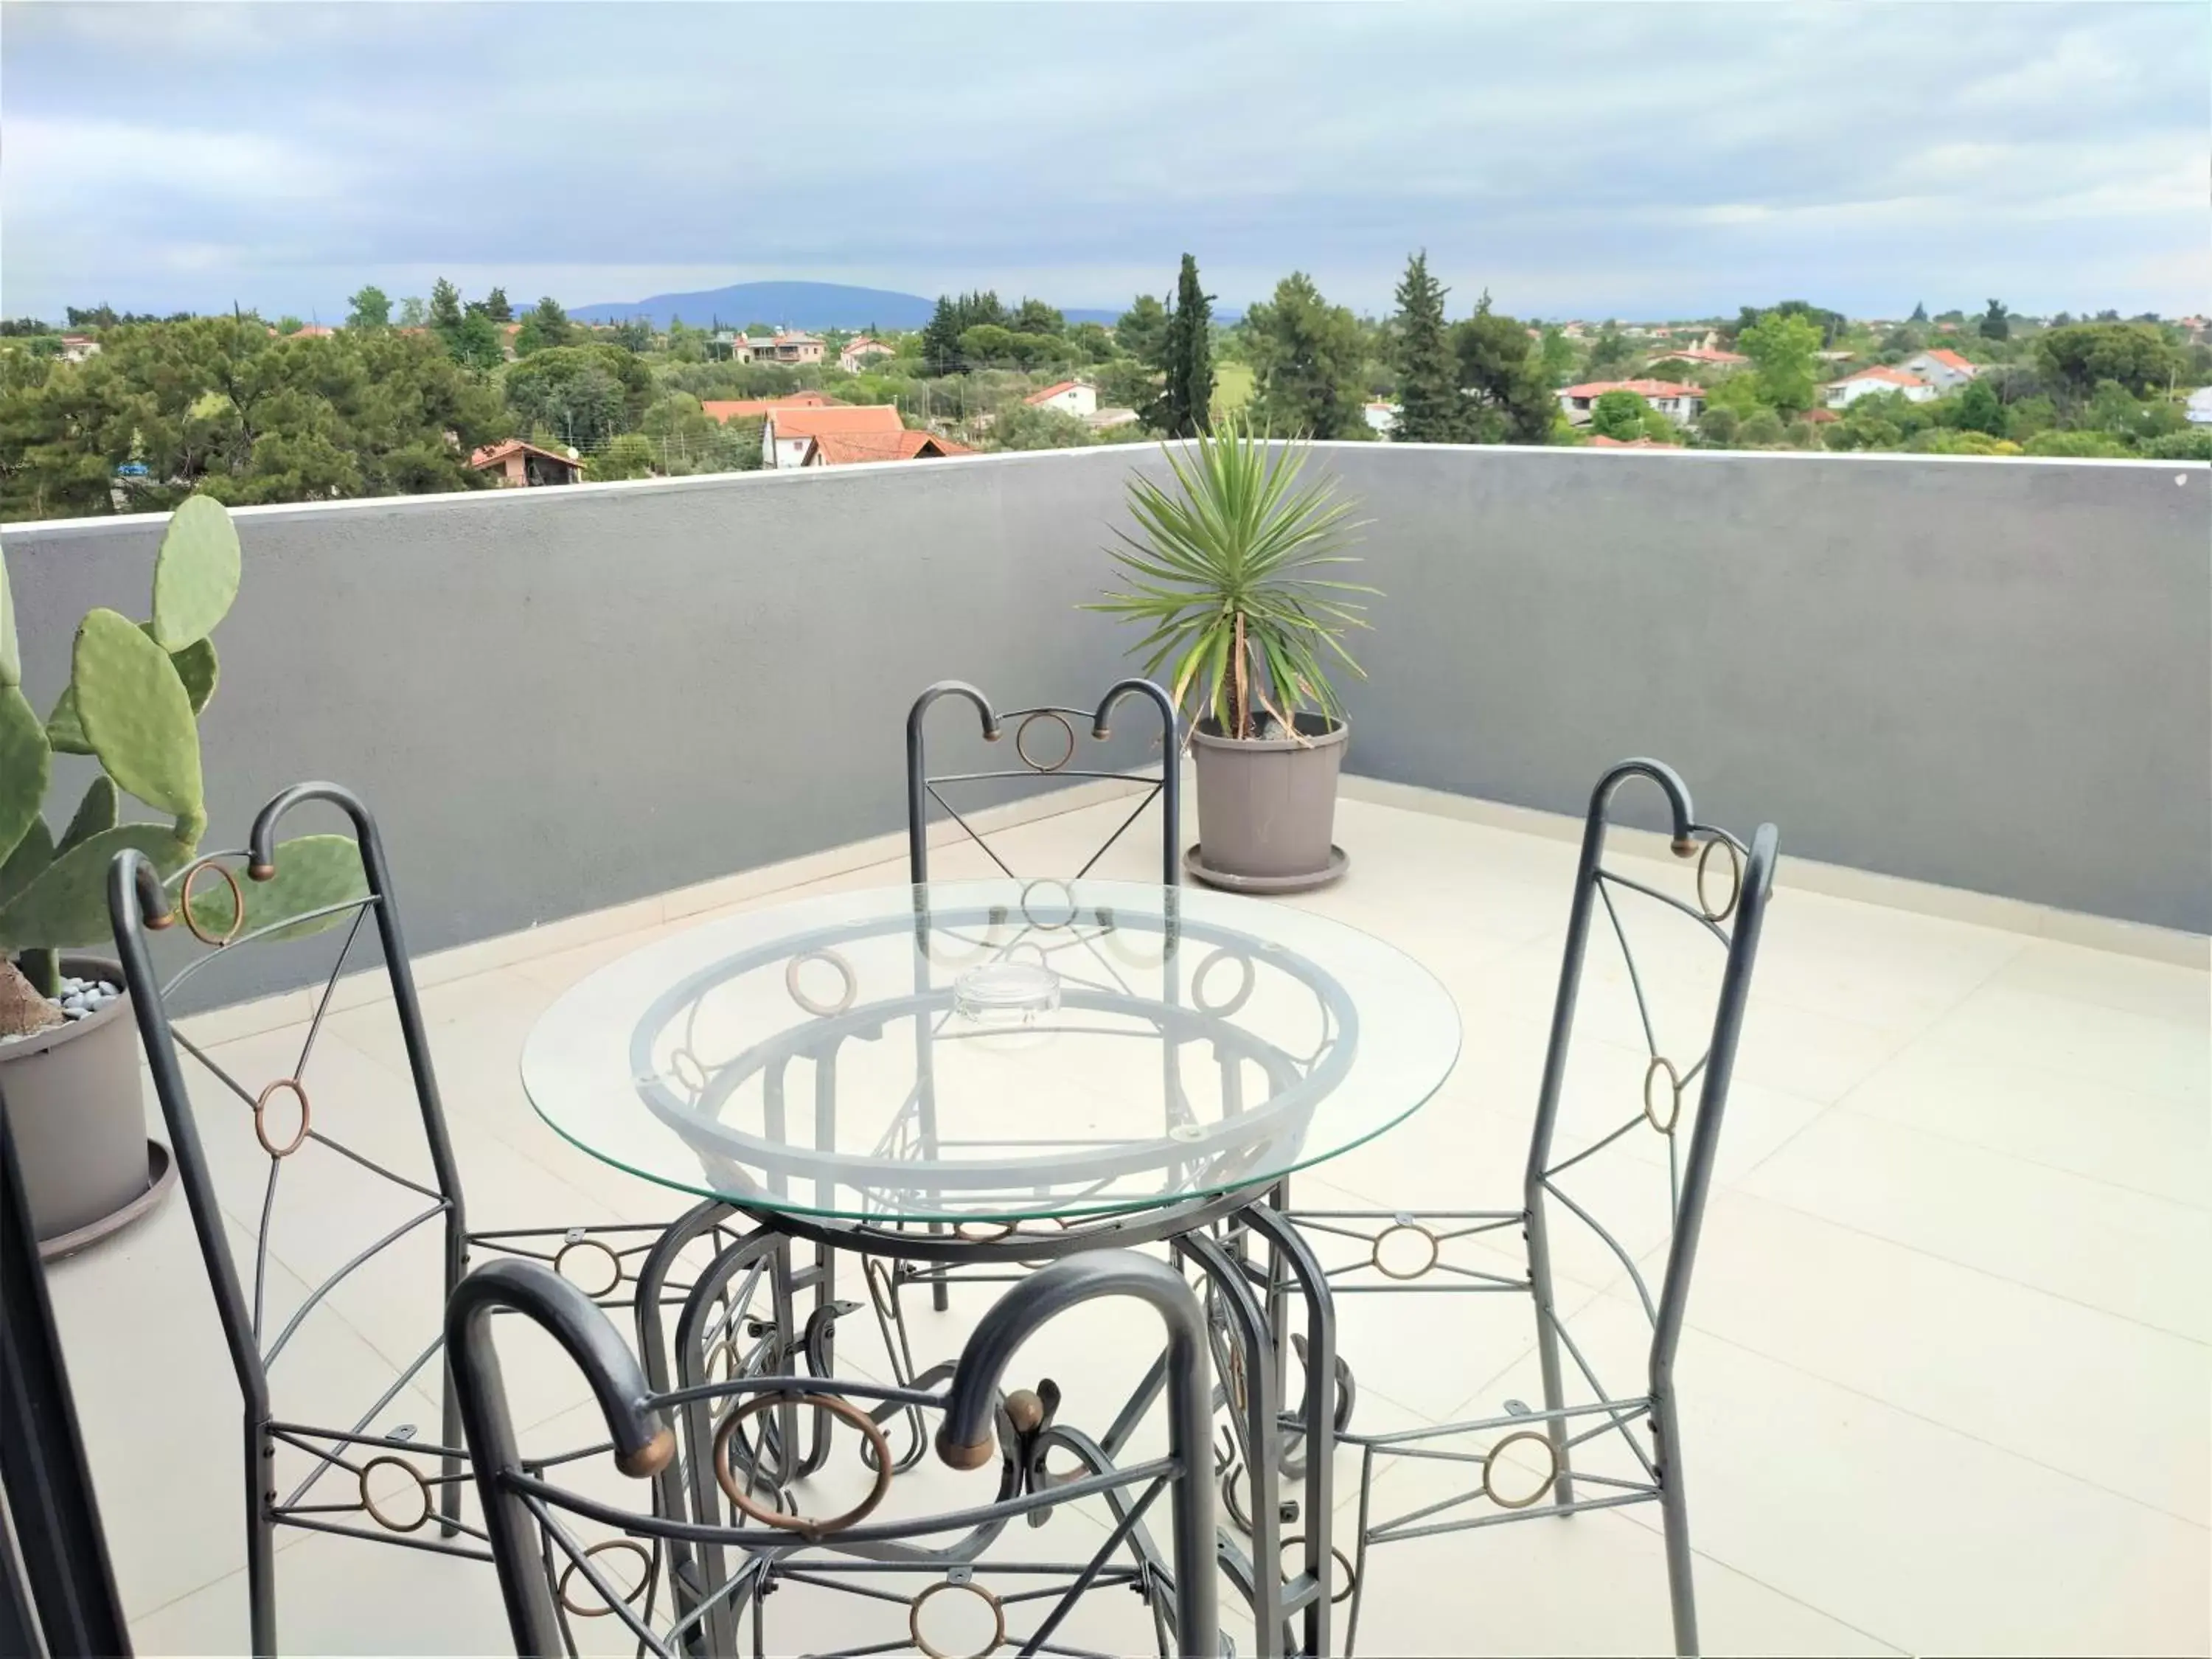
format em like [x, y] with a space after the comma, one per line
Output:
[538, 1526]
[1690, 1046]
[1037, 759]
[305, 886]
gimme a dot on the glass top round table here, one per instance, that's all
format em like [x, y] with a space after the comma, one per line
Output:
[991, 1052]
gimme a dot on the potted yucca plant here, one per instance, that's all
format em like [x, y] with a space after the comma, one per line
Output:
[1230, 571]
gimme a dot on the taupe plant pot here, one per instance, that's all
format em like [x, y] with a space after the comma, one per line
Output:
[80, 1122]
[1267, 808]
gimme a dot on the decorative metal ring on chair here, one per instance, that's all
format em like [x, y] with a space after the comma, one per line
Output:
[1661, 1063]
[376, 1513]
[606, 1546]
[1021, 739]
[880, 1451]
[237, 904]
[1534, 1437]
[1402, 1273]
[1347, 1575]
[577, 1240]
[1241, 995]
[929, 1649]
[1066, 897]
[849, 986]
[298, 1092]
[1735, 879]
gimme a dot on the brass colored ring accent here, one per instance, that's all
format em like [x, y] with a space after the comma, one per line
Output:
[1491, 1463]
[1022, 738]
[1350, 1574]
[1374, 1252]
[1735, 880]
[644, 1577]
[1661, 1063]
[1243, 993]
[850, 986]
[422, 1487]
[983, 1232]
[261, 1117]
[879, 1448]
[997, 1616]
[237, 902]
[614, 1264]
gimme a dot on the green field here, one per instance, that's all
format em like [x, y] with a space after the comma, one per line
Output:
[1232, 387]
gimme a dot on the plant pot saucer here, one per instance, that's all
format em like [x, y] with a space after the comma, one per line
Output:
[160, 1175]
[1194, 860]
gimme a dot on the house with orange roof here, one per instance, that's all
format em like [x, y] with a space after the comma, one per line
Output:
[786, 433]
[1842, 394]
[1077, 397]
[515, 464]
[753, 409]
[1678, 403]
[1599, 440]
[857, 353]
[849, 448]
[1700, 354]
[1942, 369]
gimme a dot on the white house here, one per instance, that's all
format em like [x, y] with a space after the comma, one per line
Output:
[1946, 371]
[2200, 406]
[859, 351]
[1678, 403]
[1842, 394]
[1382, 418]
[1068, 397]
[788, 436]
[76, 348]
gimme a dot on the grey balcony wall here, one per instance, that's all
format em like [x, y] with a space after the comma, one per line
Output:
[1991, 675]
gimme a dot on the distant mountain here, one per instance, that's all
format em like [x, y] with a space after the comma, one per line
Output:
[796, 305]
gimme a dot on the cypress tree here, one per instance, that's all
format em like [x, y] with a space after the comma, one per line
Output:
[1429, 407]
[1186, 406]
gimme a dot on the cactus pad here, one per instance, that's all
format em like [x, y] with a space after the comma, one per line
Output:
[11, 661]
[26, 761]
[65, 731]
[67, 904]
[196, 577]
[27, 862]
[94, 813]
[313, 873]
[137, 714]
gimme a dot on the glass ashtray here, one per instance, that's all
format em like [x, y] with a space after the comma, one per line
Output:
[1006, 992]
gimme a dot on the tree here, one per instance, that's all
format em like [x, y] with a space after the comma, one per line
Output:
[477, 344]
[412, 312]
[1504, 393]
[1429, 407]
[1610, 352]
[289, 324]
[941, 336]
[1555, 357]
[1997, 322]
[1618, 414]
[1186, 402]
[584, 393]
[1762, 431]
[1979, 411]
[635, 335]
[1784, 349]
[2073, 359]
[497, 308]
[1719, 425]
[1022, 426]
[628, 456]
[1142, 329]
[444, 309]
[371, 309]
[1307, 356]
[1919, 312]
[1036, 317]
[545, 324]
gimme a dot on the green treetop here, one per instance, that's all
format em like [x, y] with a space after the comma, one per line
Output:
[1186, 403]
[1429, 407]
[1307, 354]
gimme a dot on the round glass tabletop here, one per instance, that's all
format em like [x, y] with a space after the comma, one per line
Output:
[991, 1052]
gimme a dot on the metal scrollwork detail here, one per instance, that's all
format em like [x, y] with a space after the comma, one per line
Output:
[390, 1522]
[606, 1546]
[1021, 739]
[1532, 1437]
[1374, 1252]
[849, 984]
[576, 1242]
[879, 1458]
[237, 904]
[1735, 879]
[1661, 1063]
[298, 1091]
[930, 1650]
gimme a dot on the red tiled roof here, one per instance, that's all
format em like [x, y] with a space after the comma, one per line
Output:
[843, 421]
[1599, 440]
[1882, 372]
[845, 448]
[500, 451]
[1950, 359]
[1820, 417]
[746, 409]
[1052, 392]
[1699, 354]
[1641, 388]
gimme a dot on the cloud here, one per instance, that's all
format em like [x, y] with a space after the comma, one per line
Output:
[1601, 157]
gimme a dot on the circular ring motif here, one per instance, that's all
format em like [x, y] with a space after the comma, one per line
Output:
[605, 1544]
[695, 1079]
[1735, 879]
[237, 904]
[1489, 1464]
[850, 986]
[1244, 992]
[998, 1619]
[880, 1451]
[393, 1523]
[261, 1117]
[983, 1232]
[1021, 739]
[1661, 1063]
[1066, 897]
[1348, 1574]
[1375, 1254]
[614, 1265]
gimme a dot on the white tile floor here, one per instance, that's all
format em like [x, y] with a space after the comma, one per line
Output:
[1946, 1379]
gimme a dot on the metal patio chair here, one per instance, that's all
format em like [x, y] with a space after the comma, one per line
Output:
[382, 1488]
[1412, 1252]
[565, 1555]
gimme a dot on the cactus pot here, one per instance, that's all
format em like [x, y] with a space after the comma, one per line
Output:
[1267, 807]
[80, 1122]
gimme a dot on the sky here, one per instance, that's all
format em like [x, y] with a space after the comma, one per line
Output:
[1629, 160]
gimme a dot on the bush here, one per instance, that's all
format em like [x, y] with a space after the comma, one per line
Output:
[629, 456]
[1024, 426]
[1761, 431]
[2080, 446]
[1720, 425]
[1943, 441]
[2195, 445]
